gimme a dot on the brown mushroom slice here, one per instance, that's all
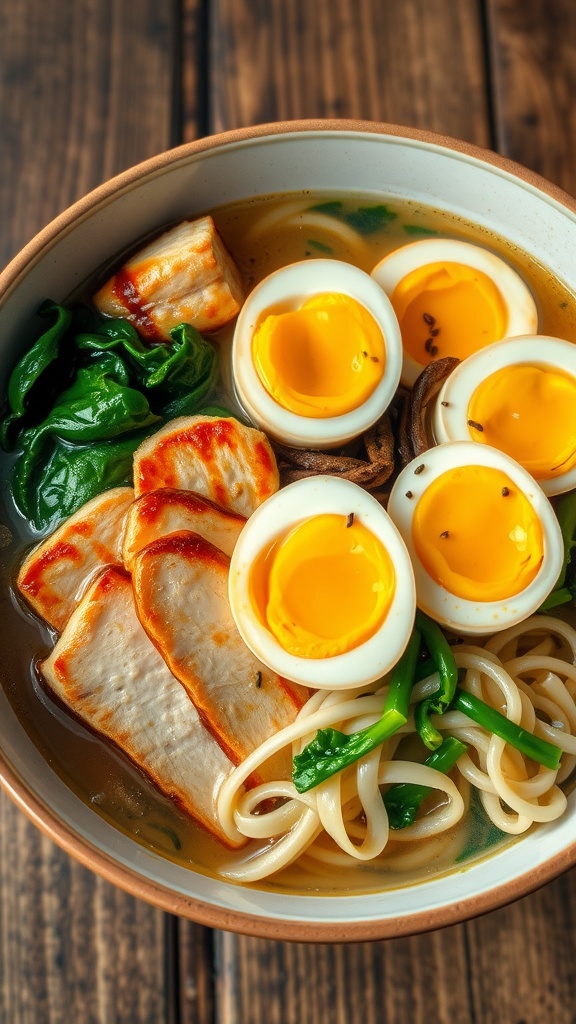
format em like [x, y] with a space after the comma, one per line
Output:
[159, 513]
[108, 673]
[370, 472]
[55, 573]
[184, 276]
[181, 590]
[425, 388]
[217, 457]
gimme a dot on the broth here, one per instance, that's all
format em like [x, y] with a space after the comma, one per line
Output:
[262, 235]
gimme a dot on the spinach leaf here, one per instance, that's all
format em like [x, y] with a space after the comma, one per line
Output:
[83, 398]
[50, 490]
[31, 367]
[175, 377]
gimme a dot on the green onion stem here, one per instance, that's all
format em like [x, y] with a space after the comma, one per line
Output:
[532, 746]
[442, 660]
[331, 751]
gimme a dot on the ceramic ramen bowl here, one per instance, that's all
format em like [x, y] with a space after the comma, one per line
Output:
[327, 158]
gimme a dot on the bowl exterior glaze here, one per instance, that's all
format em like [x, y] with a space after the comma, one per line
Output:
[337, 156]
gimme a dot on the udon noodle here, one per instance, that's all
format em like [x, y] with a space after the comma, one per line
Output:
[526, 672]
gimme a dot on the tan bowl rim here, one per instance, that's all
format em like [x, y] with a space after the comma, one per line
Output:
[98, 861]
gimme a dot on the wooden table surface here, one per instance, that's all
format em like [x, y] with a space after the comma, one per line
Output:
[88, 88]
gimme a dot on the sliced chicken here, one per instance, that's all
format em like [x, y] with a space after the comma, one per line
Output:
[184, 276]
[181, 590]
[159, 513]
[218, 458]
[106, 670]
[55, 573]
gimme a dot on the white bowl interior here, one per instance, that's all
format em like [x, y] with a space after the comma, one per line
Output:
[331, 160]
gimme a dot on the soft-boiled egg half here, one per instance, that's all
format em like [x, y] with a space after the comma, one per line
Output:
[317, 353]
[451, 299]
[321, 586]
[518, 396]
[485, 543]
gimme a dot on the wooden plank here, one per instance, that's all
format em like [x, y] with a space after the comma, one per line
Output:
[74, 948]
[413, 63]
[522, 958]
[85, 91]
[533, 55]
[196, 971]
[416, 979]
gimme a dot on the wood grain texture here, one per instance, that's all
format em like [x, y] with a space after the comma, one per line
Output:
[86, 92]
[522, 958]
[417, 980]
[74, 948]
[533, 56]
[415, 63]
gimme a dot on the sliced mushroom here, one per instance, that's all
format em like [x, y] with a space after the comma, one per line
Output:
[425, 388]
[370, 472]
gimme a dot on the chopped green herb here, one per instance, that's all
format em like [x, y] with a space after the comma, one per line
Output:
[365, 219]
[319, 246]
[417, 229]
[482, 832]
[368, 219]
[443, 660]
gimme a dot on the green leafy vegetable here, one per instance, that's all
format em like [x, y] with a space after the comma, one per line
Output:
[319, 246]
[482, 832]
[565, 589]
[85, 396]
[174, 377]
[403, 800]
[443, 659]
[172, 835]
[365, 219]
[331, 750]
[417, 229]
[31, 367]
[487, 717]
[71, 475]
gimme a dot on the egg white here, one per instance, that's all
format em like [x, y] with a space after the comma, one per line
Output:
[274, 519]
[453, 612]
[292, 286]
[450, 420]
[518, 300]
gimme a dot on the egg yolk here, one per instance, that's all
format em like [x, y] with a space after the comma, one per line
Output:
[448, 309]
[529, 412]
[325, 587]
[477, 535]
[323, 359]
